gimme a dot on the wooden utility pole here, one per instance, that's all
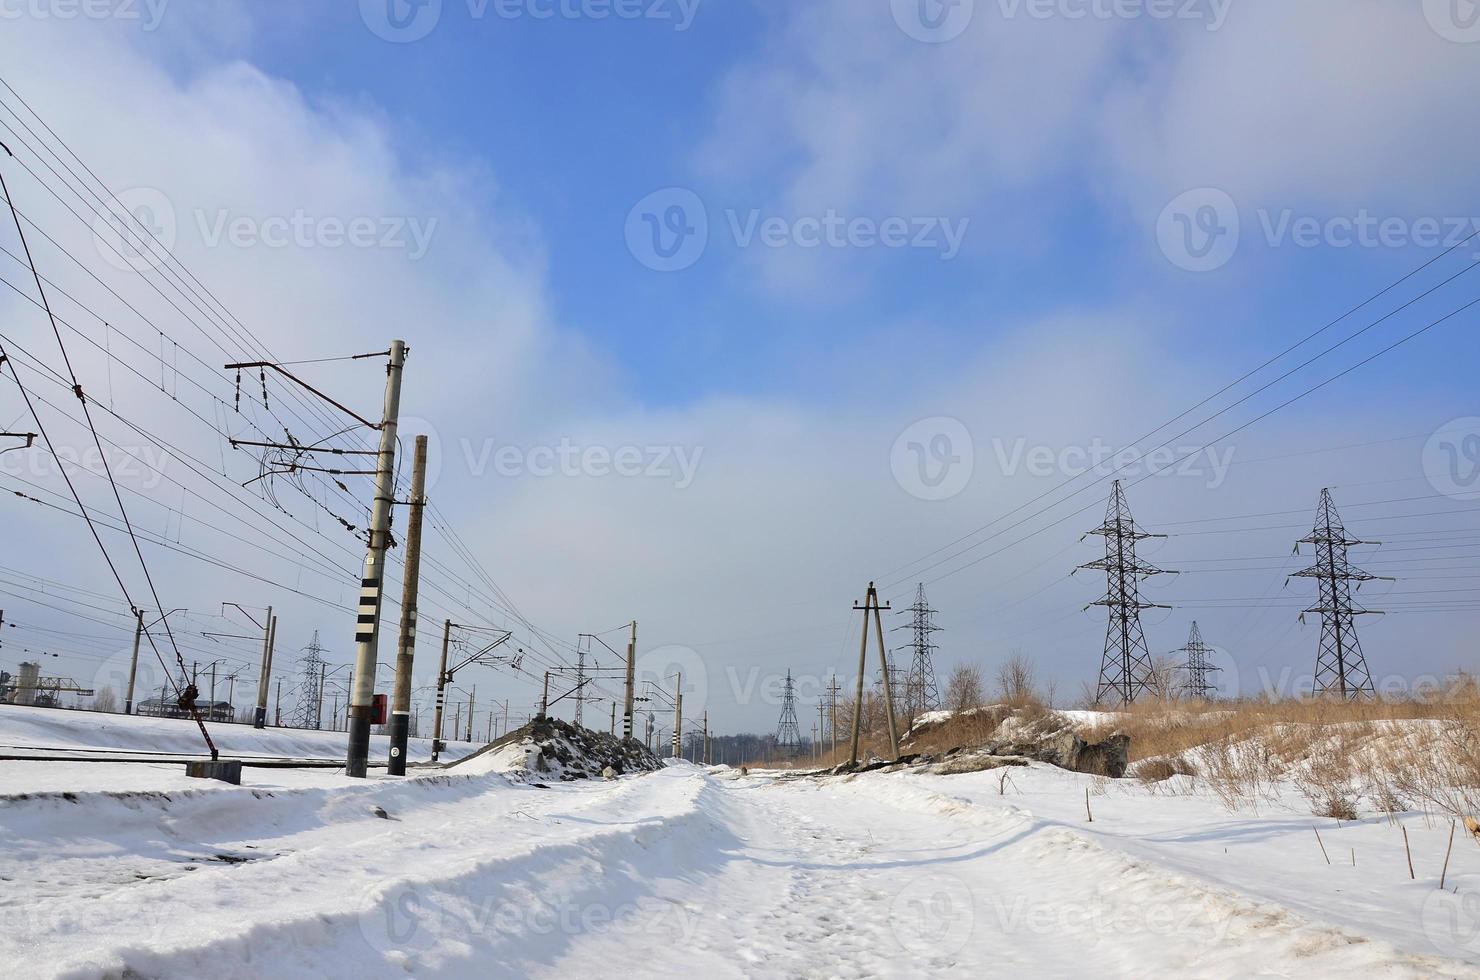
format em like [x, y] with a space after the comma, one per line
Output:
[441, 692]
[269, 638]
[871, 605]
[821, 730]
[133, 665]
[631, 679]
[406, 649]
[367, 625]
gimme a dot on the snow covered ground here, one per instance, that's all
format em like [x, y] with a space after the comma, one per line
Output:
[693, 872]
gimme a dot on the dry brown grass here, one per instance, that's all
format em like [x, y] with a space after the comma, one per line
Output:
[1339, 756]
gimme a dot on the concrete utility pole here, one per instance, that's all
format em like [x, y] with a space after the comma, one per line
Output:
[367, 626]
[678, 718]
[277, 707]
[133, 664]
[705, 743]
[269, 637]
[406, 649]
[471, 696]
[441, 692]
[614, 718]
[631, 679]
[545, 697]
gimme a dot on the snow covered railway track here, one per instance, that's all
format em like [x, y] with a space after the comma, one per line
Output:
[345, 893]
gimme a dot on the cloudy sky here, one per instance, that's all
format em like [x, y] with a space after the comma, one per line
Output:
[720, 311]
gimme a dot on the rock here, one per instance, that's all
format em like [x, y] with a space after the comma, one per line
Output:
[608, 773]
[976, 763]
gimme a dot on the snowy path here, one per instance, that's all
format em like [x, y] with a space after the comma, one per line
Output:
[878, 877]
[681, 873]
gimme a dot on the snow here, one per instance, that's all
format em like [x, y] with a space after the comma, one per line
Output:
[59, 729]
[698, 871]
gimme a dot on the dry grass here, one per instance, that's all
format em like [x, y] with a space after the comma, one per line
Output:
[1339, 756]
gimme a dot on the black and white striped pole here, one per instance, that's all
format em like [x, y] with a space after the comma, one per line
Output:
[367, 623]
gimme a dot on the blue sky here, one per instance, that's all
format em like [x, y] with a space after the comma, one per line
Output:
[1070, 156]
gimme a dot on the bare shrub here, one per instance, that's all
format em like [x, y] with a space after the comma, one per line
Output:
[1017, 683]
[964, 688]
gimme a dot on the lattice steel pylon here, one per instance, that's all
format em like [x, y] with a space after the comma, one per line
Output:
[1341, 668]
[788, 732]
[310, 670]
[921, 689]
[1126, 671]
[1197, 686]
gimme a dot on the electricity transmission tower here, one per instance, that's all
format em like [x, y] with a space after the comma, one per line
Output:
[1126, 670]
[310, 673]
[1341, 669]
[788, 733]
[1197, 686]
[921, 690]
[582, 644]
